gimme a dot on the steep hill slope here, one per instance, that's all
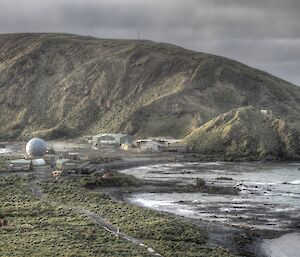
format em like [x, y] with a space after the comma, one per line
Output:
[246, 132]
[55, 85]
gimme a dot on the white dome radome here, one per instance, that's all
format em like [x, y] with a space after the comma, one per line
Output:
[36, 147]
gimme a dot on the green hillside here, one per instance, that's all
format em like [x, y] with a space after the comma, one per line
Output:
[54, 85]
[246, 132]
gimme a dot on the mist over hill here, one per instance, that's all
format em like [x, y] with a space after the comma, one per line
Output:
[56, 85]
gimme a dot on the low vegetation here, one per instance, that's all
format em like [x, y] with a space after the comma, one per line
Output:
[5, 160]
[101, 159]
[74, 85]
[246, 133]
[51, 227]
[134, 220]
[37, 228]
[157, 229]
[111, 178]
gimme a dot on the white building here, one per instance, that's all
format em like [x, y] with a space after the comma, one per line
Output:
[111, 139]
[152, 146]
[20, 165]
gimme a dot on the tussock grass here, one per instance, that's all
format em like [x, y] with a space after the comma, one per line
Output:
[37, 228]
[73, 85]
[160, 230]
[42, 228]
[246, 132]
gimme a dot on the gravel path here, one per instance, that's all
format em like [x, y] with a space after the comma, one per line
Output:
[38, 192]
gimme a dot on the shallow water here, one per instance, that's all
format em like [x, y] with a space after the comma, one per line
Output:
[269, 197]
[284, 246]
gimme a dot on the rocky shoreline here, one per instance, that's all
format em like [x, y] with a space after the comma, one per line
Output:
[241, 240]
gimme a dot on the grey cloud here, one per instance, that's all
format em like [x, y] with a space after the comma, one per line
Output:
[261, 33]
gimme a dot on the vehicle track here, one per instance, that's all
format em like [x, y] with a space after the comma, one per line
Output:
[97, 219]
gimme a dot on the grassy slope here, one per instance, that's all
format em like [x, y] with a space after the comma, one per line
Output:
[246, 132]
[54, 85]
[39, 228]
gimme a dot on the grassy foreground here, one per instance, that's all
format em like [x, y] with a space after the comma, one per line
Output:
[51, 227]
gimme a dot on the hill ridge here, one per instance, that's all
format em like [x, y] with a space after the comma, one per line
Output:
[54, 85]
[246, 132]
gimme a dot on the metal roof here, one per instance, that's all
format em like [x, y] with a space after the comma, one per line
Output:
[20, 161]
[111, 135]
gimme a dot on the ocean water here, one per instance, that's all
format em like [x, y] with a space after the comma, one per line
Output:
[284, 246]
[269, 196]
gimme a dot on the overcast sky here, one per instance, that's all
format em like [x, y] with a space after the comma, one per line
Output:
[261, 33]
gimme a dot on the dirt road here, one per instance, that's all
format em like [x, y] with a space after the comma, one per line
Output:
[97, 219]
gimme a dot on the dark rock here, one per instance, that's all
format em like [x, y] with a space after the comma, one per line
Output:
[224, 178]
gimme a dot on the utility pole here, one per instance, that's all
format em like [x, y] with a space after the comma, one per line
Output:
[138, 35]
